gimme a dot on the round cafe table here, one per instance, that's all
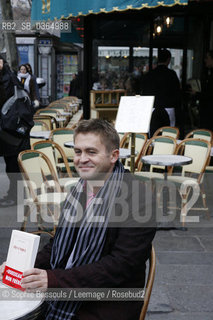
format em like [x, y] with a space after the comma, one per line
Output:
[40, 134]
[15, 308]
[66, 113]
[167, 161]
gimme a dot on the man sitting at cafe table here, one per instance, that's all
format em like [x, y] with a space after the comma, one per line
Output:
[100, 241]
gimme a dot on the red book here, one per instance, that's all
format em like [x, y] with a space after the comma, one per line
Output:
[21, 256]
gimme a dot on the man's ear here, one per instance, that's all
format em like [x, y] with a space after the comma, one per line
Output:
[114, 155]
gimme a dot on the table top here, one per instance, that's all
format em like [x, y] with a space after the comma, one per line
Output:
[16, 308]
[66, 113]
[40, 134]
[69, 144]
[60, 119]
[166, 160]
[124, 153]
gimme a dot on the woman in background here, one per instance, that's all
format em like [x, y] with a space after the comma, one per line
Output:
[30, 71]
[26, 79]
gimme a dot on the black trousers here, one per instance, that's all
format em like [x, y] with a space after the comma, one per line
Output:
[160, 118]
[13, 173]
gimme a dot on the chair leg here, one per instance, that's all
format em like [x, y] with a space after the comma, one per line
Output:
[26, 215]
[41, 228]
[183, 213]
[39, 217]
[203, 195]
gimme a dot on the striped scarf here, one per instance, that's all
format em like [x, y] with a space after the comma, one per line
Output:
[90, 238]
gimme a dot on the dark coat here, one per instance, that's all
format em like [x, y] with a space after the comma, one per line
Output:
[76, 87]
[162, 83]
[206, 99]
[9, 145]
[122, 264]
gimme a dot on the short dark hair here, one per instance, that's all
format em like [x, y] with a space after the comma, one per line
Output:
[164, 55]
[108, 135]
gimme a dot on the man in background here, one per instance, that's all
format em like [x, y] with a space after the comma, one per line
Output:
[164, 84]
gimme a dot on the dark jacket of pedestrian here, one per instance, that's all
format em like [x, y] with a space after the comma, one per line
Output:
[9, 145]
[75, 87]
[30, 71]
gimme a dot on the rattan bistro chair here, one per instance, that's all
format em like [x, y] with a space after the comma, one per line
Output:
[192, 175]
[42, 198]
[140, 142]
[156, 145]
[204, 134]
[49, 148]
[39, 125]
[124, 139]
[49, 112]
[49, 120]
[149, 283]
[60, 136]
[167, 131]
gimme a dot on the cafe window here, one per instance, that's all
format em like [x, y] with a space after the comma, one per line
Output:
[113, 59]
[113, 66]
[141, 58]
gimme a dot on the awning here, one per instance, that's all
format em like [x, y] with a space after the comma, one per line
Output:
[57, 9]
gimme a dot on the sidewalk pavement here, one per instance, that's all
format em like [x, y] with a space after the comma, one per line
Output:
[184, 279]
[184, 271]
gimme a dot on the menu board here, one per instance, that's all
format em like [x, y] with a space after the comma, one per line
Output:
[134, 114]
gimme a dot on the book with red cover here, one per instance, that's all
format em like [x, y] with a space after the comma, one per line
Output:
[21, 256]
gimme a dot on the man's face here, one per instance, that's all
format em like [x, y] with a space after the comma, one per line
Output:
[92, 160]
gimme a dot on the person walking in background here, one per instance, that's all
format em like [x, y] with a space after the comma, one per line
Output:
[164, 84]
[30, 71]
[74, 86]
[29, 84]
[9, 148]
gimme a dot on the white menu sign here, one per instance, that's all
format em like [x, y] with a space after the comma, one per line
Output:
[134, 114]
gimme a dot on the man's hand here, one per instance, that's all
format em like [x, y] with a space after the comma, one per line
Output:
[1, 64]
[2, 267]
[34, 279]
